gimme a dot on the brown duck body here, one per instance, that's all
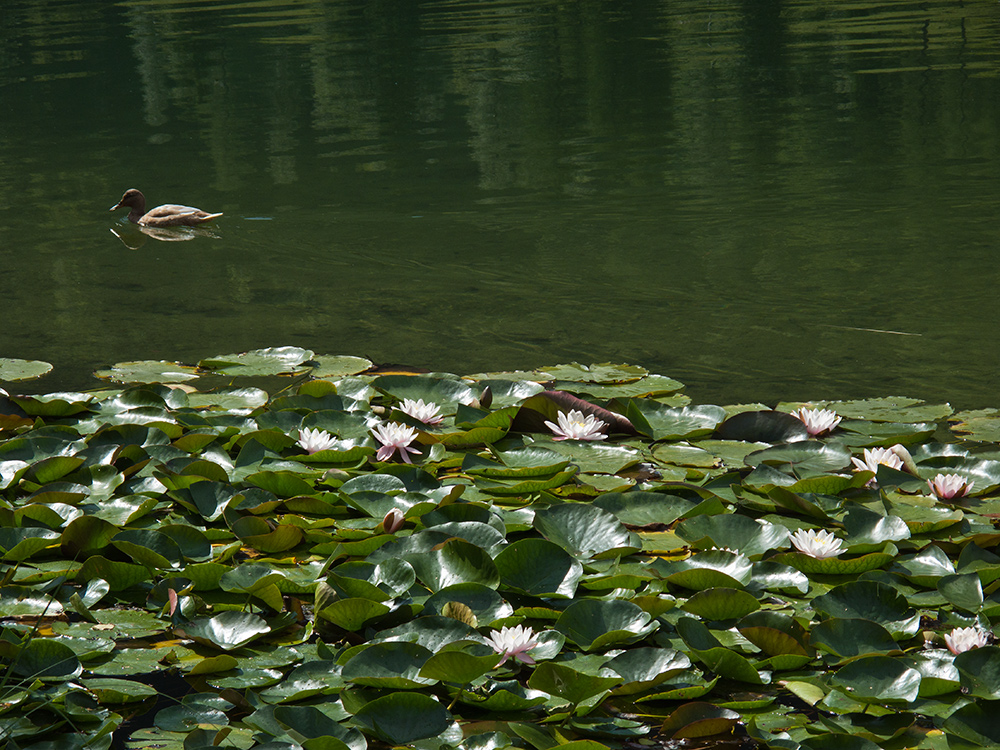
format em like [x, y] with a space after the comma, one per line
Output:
[167, 215]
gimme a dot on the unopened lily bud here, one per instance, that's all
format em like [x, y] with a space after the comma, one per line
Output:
[393, 521]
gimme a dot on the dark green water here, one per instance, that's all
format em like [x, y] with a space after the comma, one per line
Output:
[763, 199]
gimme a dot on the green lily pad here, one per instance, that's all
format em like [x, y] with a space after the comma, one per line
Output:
[592, 624]
[721, 660]
[851, 637]
[48, 660]
[803, 459]
[54, 404]
[454, 562]
[644, 668]
[889, 409]
[775, 634]
[582, 530]
[664, 423]
[114, 691]
[605, 372]
[711, 569]
[430, 389]
[337, 366]
[640, 508]
[227, 630]
[13, 370]
[869, 600]
[148, 371]
[699, 720]
[394, 666]
[736, 532]
[504, 696]
[721, 604]
[980, 671]
[570, 684]
[402, 718]
[539, 568]
[281, 360]
[879, 679]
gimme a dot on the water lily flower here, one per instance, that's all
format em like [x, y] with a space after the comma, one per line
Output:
[948, 486]
[875, 457]
[964, 639]
[393, 521]
[313, 441]
[426, 413]
[817, 421]
[394, 437]
[513, 642]
[819, 544]
[574, 426]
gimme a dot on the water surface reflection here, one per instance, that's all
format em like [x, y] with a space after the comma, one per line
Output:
[764, 200]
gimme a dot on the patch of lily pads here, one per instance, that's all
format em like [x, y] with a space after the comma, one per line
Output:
[327, 554]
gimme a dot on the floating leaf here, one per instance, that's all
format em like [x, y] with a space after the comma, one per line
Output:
[13, 370]
[878, 679]
[331, 366]
[851, 637]
[281, 360]
[148, 371]
[699, 720]
[227, 630]
[735, 532]
[570, 684]
[401, 718]
[664, 423]
[980, 671]
[539, 568]
[869, 600]
[721, 604]
[583, 530]
[593, 624]
[395, 666]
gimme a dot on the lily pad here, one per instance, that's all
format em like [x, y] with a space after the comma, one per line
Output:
[402, 718]
[881, 679]
[593, 624]
[13, 370]
[148, 371]
[281, 360]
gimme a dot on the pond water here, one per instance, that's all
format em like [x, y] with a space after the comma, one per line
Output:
[765, 200]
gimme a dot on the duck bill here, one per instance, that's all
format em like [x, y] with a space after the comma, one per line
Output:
[115, 207]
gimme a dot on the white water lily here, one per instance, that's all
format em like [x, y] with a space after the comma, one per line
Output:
[875, 457]
[819, 544]
[817, 421]
[964, 639]
[574, 426]
[948, 486]
[314, 441]
[514, 643]
[426, 413]
[394, 437]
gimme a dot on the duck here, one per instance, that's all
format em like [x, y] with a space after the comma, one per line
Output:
[167, 215]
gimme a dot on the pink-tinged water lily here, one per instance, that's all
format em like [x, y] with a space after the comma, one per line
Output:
[819, 544]
[314, 441]
[817, 421]
[426, 413]
[394, 437]
[948, 486]
[513, 642]
[964, 639]
[393, 521]
[574, 426]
